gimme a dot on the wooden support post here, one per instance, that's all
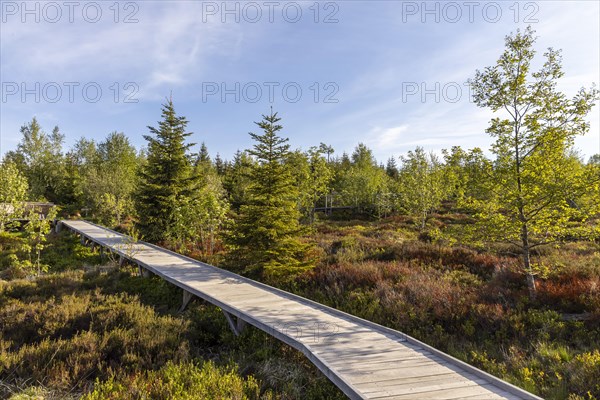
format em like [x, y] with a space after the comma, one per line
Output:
[241, 325]
[187, 297]
[236, 326]
[82, 239]
[57, 226]
[122, 261]
[144, 273]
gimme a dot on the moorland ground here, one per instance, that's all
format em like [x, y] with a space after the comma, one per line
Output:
[88, 328]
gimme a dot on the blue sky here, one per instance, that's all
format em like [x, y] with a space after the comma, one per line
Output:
[385, 73]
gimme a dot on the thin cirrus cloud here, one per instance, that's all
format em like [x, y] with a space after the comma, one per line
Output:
[167, 47]
[371, 53]
[395, 121]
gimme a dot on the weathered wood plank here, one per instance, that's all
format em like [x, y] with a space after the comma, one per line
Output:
[478, 390]
[401, 388]
[416, 381]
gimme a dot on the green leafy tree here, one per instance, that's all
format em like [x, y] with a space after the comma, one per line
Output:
[313, 178]
[37, 229]
[464, 173]
[80, 163]
[13, 192]
[533, 175]
[266, 238]
[326, 149]
[41, 158]
[111, 179]
[200, 217]
[166, 180]
[422, 186]
[361, 182]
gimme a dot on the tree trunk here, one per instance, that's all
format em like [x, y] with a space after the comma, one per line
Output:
[423, 220]
[527, 262]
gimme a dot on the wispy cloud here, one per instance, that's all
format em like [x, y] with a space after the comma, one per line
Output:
[371, 54]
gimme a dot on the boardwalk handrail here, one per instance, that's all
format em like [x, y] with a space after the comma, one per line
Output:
[345, 386]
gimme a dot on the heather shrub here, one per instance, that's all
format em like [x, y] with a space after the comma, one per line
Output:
[64, 331]
[471, 302]
[64, 251]
[61, 333]
[178, 382]
[585, 372]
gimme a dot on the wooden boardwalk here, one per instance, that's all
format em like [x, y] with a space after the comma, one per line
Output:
[365, 360]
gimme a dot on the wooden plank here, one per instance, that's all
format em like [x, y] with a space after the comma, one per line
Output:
[412, 381]
[392, 354]
[409, 362]
[478, 391]
[401, 388]
[397, 373]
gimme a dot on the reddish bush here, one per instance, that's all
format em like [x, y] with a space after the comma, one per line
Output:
[569, 293]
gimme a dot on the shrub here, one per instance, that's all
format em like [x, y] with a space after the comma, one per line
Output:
[67, 339]
[181, 381]
[585, 373]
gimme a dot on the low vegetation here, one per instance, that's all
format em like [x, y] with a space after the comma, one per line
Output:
[104, 333]
[87, 329]
[469, 303]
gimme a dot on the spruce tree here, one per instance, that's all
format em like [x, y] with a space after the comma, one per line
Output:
[236, 178]
[166, 180]
[203, 156]
[266, 238]
[391, 168]
[220, 165]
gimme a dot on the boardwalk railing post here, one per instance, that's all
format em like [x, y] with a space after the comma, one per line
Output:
[236, 326]
[57, 226]
[187, 297]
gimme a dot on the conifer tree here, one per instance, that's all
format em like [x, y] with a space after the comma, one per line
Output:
[220, 165]
[391, 168]
[266, 238]
[203, 157]
[236, 178]
[166, 180]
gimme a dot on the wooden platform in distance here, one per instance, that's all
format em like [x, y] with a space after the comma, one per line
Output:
[365, 360]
